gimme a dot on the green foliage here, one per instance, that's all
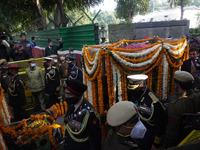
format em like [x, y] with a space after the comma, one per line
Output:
[128, 9]
[178, 2]
[19, 15]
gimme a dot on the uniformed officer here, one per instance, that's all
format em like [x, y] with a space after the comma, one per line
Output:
[127, 127]
[52, 82]
[63, 66]
[185, 101]
[74, 72]
[55, 61]
[150, 110]
[16, 93]
[82, 121]
[4, 77]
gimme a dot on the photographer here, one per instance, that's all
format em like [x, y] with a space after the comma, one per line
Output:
[17, 53]
[3, 45]
[53, 49]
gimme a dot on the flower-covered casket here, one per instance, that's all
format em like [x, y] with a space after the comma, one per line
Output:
[36, 132]
[106, 68]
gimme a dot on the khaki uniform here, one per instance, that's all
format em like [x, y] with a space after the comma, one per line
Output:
[116, 142]
[63, 70]
[186, 103]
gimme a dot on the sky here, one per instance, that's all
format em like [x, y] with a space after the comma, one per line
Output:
[108, 5]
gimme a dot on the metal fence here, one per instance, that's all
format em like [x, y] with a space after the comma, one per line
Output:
[75, 37]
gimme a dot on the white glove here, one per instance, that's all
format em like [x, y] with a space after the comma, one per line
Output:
[5, 43]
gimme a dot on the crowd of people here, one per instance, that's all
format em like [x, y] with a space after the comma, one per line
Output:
[142, 122]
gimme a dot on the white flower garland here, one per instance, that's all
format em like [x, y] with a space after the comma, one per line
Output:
[142, 53]
[168, 46]
[114, 80]
[89, 91]
[164, 77]
[91, 62]
[178, 52]
[84, 80]
[138, 64]
[119, 85]
[94, 67]
[2, 142]
[6, 109]
[3, 117]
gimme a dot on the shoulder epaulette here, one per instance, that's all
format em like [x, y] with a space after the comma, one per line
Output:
[153, 97]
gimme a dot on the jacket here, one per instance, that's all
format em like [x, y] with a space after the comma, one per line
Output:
[53, 49]
[27, 48]
[16, 92]
[35, 79]
[116, 142]
[82, 128]
[188, 102]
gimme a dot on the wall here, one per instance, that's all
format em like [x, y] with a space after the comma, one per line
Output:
[162, 29]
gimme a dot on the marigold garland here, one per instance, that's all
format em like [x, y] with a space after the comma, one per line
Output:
[94, 96]
[65, 104]
[63, 131]
[58, 108]
[61, 108]
[109, 80]
[100, 92]
[159, 79]
[50, 130]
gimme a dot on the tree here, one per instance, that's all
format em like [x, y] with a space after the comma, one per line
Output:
[29, 14]
[180, 3]
[128, 9]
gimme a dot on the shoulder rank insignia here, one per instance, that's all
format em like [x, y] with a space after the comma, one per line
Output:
[153, 97]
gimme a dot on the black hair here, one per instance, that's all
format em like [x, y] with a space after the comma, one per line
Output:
[185, 85]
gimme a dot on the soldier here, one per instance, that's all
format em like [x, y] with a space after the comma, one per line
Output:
[4, 77]
[150, 110]
[71, 52]
[63, 67]
[185, 101]
[74, 72]
[123, 117]
[52, 82]
[55, 61]
[53, 49]
[16, 93]
[82, 121]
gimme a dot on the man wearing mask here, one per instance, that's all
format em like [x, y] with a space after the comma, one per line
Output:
[185, 101]
[150, 110]
[74, 72]
[26, 45]
[71, 53]
[53, 49]
[52, 82]
[35, 79]
[82, 121]
[55, 62]
[63, 67]
[16, 93]
[126, 127]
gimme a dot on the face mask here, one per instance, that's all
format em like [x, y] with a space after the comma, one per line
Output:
[72, 52]
[62, 58]
[55, 61]
[138, 131]
[73, 100]
[33, 65]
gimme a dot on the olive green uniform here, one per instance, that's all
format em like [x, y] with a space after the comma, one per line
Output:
[186, 103]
